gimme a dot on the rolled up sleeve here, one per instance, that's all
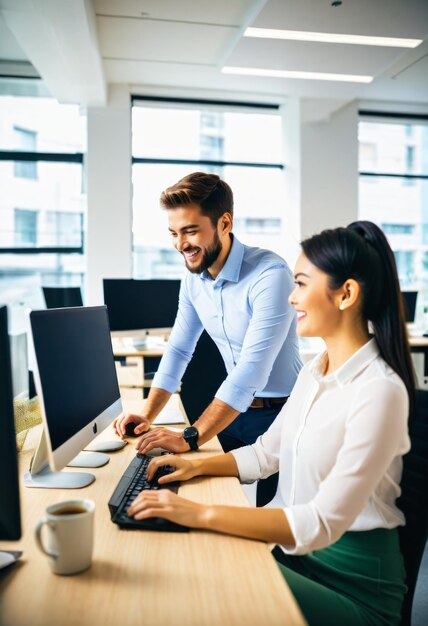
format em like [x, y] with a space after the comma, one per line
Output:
[261, 459]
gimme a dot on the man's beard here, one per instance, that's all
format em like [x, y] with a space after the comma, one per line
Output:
[210, 256]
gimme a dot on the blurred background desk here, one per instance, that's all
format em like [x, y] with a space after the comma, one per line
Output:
[135, 367]
[419, 345]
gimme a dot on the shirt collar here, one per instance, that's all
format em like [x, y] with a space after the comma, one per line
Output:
[350, 369]
[232, 268]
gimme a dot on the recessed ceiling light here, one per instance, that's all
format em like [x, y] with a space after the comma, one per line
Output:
[255, 71]
[359, 40]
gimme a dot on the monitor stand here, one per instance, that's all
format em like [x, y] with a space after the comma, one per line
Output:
[6, 559]
[41, 476]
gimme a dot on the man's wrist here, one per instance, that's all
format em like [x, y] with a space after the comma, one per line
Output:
[191, 436]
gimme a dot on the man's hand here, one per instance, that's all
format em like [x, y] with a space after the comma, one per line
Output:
[162, 438]
[119, 424]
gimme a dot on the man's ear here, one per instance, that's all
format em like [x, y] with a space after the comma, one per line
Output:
[226, 223]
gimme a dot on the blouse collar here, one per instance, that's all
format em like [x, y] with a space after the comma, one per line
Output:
[350, 369]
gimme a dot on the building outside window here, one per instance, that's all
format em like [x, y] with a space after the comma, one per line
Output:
[43, 202]
[393, 193]
[240, 144]
[25, 227]
[27, 140]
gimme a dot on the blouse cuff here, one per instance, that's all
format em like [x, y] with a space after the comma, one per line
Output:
[248, 464]
[305, 527]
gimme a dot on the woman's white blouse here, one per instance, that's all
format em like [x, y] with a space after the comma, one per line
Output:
[338, 446]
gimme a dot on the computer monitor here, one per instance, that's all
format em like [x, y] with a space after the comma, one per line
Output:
[59, 297]
[410, 298]
[77, 387]
[139, 307]
[10, 520]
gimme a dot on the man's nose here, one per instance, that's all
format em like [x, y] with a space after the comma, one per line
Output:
[180, 242]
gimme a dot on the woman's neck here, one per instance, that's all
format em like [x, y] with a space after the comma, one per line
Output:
[342, 345]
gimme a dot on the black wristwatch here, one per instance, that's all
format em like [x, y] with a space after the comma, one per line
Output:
[190, 436]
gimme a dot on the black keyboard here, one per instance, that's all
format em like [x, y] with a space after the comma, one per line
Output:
[133, 481]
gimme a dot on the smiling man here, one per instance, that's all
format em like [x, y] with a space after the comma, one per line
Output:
[239, 295]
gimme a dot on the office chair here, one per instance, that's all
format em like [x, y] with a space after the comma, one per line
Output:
[202, 378]
[60, 297]
[414, 501]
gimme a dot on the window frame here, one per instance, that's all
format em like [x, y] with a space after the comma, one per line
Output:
[49, 157]
[384, 117]
[209, 105]
[409, 120]
[211, 165]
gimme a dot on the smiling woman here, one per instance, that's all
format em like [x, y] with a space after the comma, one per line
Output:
[334, 515]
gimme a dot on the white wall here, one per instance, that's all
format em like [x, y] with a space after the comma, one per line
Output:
[320, 141]
[292, 228]
[109, 226]
[329, 171]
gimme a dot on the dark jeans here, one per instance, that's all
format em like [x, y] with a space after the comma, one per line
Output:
[243, 431]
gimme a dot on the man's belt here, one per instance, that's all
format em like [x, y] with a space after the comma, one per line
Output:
[267, 403]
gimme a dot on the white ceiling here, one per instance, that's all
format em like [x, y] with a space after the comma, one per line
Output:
[155, 45]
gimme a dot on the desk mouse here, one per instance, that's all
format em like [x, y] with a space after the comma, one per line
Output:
[129, 430]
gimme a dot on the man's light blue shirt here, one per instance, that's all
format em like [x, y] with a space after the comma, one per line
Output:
[246, 312]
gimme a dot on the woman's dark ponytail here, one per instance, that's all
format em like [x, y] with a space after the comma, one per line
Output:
[361, 251]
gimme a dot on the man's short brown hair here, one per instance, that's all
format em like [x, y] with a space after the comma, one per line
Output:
[208, 191]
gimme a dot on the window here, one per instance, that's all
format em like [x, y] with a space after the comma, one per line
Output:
[240, 144]
[63, 228]
[43, 202]
[410, 158]
[405, 261]
[394, 192]
[258, 226]
[25, 227]
[398, 229]
[26, 140]
[368, 155]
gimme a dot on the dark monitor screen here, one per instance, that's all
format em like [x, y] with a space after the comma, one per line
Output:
[141, 304]
[10, 521]
[58, 297]
[410, 298]
[76, 367]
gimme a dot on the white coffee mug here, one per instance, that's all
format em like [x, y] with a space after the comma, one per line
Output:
[70, 535]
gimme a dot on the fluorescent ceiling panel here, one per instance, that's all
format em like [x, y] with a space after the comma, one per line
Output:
[359, 40]
[255, 71]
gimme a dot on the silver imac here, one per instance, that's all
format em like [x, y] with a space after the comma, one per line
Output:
[76, 382]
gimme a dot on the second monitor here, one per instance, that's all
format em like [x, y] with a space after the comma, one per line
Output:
[141, 306]
[77, 386]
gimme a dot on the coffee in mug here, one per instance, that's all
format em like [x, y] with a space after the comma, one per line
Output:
[69, 510]
[69, 536]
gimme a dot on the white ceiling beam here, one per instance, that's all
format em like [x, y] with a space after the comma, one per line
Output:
[60, 39]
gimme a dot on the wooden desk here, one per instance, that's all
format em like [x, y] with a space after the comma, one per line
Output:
[140, 577]
[122, 348]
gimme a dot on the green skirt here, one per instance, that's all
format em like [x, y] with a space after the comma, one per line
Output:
[359, 580]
